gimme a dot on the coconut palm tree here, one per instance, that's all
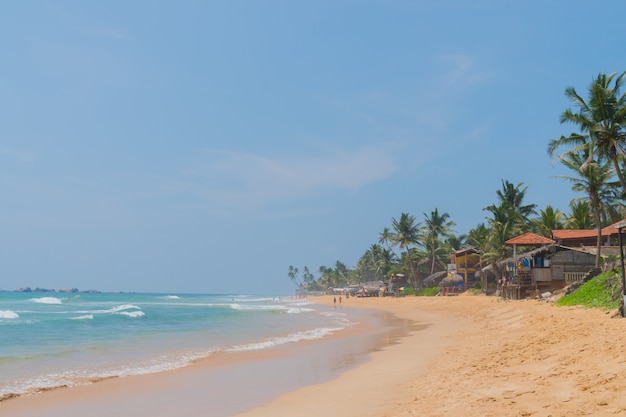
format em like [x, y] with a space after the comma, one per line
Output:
[406, 233]
[385, 237]
[580, 215]
[511, 207]
[436, 227]
[457, 242]
[375, 263]
[601, 122]
[549, 219]
[307, 276]
[593, 179]
[293, 275]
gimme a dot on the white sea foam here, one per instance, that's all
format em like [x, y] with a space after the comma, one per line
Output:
[84, 376]
[133, 314]
[172, 297]
[297, 310]
[265, 307]
[114, 309]
[290, 338]
[8, 314]
[85, 317]
[124, 307]
[47, 300]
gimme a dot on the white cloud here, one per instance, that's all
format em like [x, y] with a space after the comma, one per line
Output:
[243, 180]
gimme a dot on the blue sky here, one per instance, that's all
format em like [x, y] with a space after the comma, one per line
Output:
[205, 146]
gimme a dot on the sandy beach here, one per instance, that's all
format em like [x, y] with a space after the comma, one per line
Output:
[479, 356]
[463, 356]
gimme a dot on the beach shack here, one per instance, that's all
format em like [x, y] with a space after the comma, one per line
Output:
[547, 268]
[466, 262]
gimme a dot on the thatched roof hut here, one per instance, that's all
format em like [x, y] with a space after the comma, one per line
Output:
[451, 281]
[433, 280]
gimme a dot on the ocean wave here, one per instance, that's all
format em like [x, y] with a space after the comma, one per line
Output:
[124, 307]
[8, 314]
[47, 300]
[76, 378]
[85, 317]
[267, 307]
[117, 309]
[172, 297]
[290, 338]
[297, 310]
[133, 314]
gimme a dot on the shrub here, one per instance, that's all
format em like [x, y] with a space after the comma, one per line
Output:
[429, 292]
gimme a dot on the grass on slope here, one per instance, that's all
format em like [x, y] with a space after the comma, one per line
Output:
[603, 291]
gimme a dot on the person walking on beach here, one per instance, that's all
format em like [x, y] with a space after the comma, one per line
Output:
[339, 300]
[334, 300]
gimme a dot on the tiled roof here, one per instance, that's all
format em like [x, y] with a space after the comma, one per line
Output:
[576, 234]
[582, 234]
[530, 239]
[612, 230]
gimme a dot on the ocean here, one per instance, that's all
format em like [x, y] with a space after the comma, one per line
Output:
[49, 340]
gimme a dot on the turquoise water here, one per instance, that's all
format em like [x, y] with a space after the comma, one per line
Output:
[50, 339]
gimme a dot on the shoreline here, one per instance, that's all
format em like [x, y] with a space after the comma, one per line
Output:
[466, 355]
[214, 384]
[481, 357]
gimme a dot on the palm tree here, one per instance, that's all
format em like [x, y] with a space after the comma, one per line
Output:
[511, 207]
[375, 263]
[341, 273]
[549, 219]
[496, 248]
[479, 237]
[509, 217]
[307, 276]
[437, 226]
[406, 233]
[293, 275]
[593, 179]
[326, 278]
[601, 121]
[385, 237]
[454, 242]
[580, 215]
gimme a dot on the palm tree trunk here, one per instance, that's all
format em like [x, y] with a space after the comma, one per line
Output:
[408, 255]
[432, 264]
[596, 212]
[619, 174]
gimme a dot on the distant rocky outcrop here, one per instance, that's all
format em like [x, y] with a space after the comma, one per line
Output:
[62, 290]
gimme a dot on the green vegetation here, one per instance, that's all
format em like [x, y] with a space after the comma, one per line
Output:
[408, 251]
[603, 291]
[428, 292]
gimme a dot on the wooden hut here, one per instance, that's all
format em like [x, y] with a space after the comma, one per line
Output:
[547, 268]
[466, 262]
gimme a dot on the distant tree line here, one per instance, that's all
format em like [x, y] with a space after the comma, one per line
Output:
[595, 155]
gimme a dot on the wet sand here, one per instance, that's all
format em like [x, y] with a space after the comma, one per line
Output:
[225, 383]
[463, 356]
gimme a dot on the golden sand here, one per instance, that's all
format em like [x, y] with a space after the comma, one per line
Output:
[481, 356]
[474, 356]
